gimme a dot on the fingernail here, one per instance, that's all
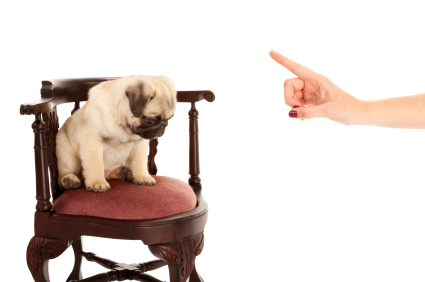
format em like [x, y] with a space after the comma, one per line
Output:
[296, 107]
[293, 114]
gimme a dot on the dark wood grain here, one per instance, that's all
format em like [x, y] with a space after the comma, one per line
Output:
[121, 271]
[76, 274]
[106, 263]
[153, 150]
[54, 232]
[194, 166]
[40, 251]
[194, 276]
[59, 91]
[102, 277]
[76, 107]
[52, 126]
[180, 255]
[152, 265]
[41, 162]
[112, 276]
[195, 96]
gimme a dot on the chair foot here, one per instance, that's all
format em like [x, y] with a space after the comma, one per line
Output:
[77, 246]
[39, 252]
[180, 256]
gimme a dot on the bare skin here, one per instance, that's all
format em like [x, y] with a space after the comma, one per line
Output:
[312, 95]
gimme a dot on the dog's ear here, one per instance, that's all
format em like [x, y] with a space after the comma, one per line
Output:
[138, 98]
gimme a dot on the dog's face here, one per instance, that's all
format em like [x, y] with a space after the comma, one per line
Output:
[151, 101]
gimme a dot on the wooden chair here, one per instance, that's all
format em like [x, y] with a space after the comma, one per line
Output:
[176, 240]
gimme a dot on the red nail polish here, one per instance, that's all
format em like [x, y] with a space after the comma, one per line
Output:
[296, 107]
[293, 114]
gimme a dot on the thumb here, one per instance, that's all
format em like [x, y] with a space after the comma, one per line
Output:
[309, 112]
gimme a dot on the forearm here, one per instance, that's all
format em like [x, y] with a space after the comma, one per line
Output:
[399, 112]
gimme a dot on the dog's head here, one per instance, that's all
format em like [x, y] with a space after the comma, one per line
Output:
[151, 101]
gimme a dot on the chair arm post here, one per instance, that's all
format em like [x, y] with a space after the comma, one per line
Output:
[41, 169]
[194, 169]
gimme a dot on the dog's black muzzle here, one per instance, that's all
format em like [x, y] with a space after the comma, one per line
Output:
[150, 132]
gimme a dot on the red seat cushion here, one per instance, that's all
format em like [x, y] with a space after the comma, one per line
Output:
[126, 200]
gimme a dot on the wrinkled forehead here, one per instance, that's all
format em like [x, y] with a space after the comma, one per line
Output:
[155, 109]
[164, 100]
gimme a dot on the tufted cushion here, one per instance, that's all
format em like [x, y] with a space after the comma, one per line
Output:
[126, 200]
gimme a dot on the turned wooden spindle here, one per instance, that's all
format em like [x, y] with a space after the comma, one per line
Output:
[106, 263]
[113, 276]
[194, 171]
[41, 169]
[146, 278]
[153, 144]
[121, 271]
[151, 265]
[103, 277]
[76, 107]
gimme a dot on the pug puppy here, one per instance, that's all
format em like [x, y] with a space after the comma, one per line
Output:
[111, 132]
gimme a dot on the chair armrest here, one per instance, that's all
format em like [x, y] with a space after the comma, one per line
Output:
[59, 91]
[42, 105]
[195, 96]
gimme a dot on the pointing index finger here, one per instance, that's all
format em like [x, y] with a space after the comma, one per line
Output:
[297, 69]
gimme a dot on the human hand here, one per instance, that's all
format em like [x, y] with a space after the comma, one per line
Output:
[312, 95]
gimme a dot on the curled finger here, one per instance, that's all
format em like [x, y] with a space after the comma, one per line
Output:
[293, 92]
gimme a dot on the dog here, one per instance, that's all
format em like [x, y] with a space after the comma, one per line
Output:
[111, 132]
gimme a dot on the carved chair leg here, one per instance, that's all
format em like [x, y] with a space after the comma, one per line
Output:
[39, 252]
[180, 256]
[77, 246]
[175, 275]
[194, 276]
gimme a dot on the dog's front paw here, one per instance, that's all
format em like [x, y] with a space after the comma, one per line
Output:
[71, 181]
[144, 180]
[97, 186]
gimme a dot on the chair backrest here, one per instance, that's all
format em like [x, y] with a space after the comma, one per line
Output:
[59, 91]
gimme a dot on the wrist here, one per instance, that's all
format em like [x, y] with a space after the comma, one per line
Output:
[364, 113]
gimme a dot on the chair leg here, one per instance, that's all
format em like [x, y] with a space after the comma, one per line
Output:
[39, 252]
[77, 246]
[180, 256]
[175, 276]
[194, 276]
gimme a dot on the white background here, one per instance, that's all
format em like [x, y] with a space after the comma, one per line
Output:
[289, 200]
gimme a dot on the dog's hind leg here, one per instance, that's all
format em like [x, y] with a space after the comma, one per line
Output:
[122, 173]
[70, 181]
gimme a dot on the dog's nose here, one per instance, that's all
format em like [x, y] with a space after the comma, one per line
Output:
[150, 121]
